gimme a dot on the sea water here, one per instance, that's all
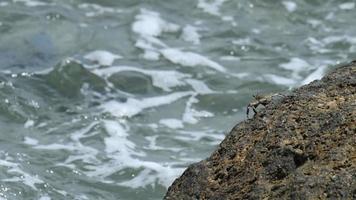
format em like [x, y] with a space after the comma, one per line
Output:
[113, 99]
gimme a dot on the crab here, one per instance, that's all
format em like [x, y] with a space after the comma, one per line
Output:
[260, 100]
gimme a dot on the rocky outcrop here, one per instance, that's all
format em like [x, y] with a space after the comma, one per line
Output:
[300, 146]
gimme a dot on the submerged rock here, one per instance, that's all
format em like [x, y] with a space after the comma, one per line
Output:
[301, 147]
[68, 77]
[133, 82]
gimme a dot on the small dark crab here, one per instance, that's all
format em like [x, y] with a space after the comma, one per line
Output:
[260, 100]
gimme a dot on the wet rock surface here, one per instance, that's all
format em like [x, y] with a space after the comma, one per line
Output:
[142, 83]
[302, 146]
[73, 75]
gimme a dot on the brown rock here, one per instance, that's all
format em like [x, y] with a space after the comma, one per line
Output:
[301, 147]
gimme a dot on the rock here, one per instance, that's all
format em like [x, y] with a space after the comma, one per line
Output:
[301, 147]
[133, 82]
[69, 76]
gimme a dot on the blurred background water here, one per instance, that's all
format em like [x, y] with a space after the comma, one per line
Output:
[114, 99]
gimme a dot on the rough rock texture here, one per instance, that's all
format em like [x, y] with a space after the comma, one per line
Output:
[301, 146]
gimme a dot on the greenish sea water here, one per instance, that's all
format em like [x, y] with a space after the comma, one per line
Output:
[113, 99]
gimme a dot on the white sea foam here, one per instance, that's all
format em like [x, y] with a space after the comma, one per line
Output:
[296, 65]
[31, 3]
[149, 23]
[211, 7]
[190, 34]
[84, 132]
[163, 174]
[45, 198]
[172, 123]
[347, 6]
[23, 177]
[82, 197]
[30, 141]
[151, 55]
[230, 58]
[229, 19]
[190, 59]
[317, 74]
[78, 151]
[316, 45]
[103, 58]
[314, 22]
[242, 41]
[280, 80]
[330, 16]
[145, 177]
[241, 75]
[199, 135]
[82, 152]
[154, 146]
[321, 46]
[134, 106]
[7, 163]
[117, 141]
[42, 124]
[162, 79]
[16, 174]
[29, 123]
[192, 115]
[339, 38]
[3, 4]
[199, 86]
[291, 6]
[55, 146]
[95, 9]
[121, 151]
[150, 46]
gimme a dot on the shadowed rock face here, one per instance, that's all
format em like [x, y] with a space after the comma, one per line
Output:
[301, 147]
